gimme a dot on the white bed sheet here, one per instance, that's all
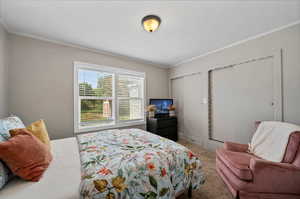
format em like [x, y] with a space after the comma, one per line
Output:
[60, 181]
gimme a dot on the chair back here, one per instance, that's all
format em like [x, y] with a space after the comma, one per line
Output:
[292, 151]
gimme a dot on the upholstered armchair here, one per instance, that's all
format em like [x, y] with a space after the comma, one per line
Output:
[250, 177]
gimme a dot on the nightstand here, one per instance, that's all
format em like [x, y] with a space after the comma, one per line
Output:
[165, 127]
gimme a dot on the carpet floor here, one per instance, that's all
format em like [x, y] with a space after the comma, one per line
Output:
[214, 187]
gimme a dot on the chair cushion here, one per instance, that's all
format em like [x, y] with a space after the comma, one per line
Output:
[237, 162]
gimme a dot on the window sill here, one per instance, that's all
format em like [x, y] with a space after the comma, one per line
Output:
[119, 125]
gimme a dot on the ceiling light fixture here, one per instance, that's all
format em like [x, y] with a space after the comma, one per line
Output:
[151, 23]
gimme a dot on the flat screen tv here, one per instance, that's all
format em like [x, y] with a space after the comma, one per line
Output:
[161, 105]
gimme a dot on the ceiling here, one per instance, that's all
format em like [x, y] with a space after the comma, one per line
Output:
[188, 29]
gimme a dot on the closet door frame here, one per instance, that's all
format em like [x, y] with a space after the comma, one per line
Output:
[276, 55]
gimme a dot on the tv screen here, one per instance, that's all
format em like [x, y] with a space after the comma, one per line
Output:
[161, 105]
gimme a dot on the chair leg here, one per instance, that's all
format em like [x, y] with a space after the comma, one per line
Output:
[190, 191]
[237, 195]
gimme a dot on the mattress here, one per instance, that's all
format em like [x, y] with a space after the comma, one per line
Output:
[60, 181]
[135, 164]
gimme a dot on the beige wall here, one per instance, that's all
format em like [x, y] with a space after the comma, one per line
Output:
[3, 72]
[41, 81]
[287, 39]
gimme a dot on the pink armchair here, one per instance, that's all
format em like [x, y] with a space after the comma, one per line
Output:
[249, 177]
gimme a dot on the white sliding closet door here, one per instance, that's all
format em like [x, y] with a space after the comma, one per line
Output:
[187, 92]
[193, 94]
[242, 95]
[222, 104]
[178, 95]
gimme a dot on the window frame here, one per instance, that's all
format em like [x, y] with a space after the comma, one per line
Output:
[115, 100]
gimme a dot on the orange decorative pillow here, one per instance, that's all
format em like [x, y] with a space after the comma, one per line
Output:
[39, 130]
[25, 155]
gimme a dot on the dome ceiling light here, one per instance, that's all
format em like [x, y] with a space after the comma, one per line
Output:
[151, 23]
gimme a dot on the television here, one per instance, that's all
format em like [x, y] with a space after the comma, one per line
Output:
[162, 106]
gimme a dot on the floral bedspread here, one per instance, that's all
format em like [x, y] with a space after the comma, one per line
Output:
[134, 164]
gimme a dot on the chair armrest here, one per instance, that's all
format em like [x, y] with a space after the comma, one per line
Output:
[231, 146]
[275, 177]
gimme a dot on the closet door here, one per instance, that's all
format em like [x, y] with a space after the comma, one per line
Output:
[241, 95]
[178, 96]
[193, 109]
[222, 104]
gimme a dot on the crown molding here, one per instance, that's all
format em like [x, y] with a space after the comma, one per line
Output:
[237, 43]
[138, 60]
[68, 44]
[94, 50]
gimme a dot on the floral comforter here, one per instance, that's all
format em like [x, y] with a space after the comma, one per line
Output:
[134, 164]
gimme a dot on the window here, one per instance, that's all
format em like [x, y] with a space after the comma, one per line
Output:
[130, 98]
[106, 97]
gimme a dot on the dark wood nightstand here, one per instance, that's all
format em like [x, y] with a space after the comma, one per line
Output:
[165, 127]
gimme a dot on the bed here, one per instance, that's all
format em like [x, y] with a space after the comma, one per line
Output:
[135, 164]
[66, 179]
[60, 181]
